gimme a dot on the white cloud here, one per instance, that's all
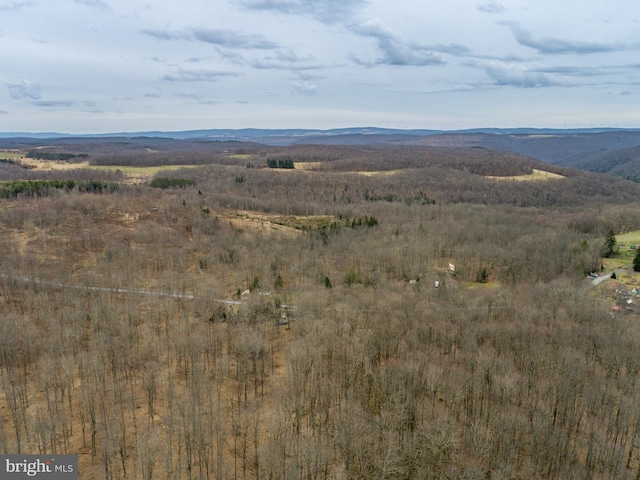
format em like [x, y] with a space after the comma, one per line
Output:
[517, 76]
[305, 88]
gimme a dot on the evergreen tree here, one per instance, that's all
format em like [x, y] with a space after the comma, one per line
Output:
[610, 246]
[636, 261]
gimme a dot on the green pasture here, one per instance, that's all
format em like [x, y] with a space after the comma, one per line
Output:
[11, 155]
[631, 238]
[625, 256]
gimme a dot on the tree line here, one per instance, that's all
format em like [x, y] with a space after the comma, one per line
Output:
[56, 156]
[38, 188]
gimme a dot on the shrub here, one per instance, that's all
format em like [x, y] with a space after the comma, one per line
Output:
[351, 277]
[163, 182]
[280, 163]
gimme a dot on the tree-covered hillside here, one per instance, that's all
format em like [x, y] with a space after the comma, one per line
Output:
[623, 163]
[388, 312]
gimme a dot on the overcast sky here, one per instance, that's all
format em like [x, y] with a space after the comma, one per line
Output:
[89, 66]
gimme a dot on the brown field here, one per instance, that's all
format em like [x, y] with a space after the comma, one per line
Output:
[308, 165]
[49, 165]
[536, 175]
[287, 224]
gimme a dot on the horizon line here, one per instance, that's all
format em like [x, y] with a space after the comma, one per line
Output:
[344, 130]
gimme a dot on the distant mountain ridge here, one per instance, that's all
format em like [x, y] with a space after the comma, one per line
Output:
[231, 134]
[264, 133]
[585, 148]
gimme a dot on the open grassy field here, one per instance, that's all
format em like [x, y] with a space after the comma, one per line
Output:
[11, 154]
[137, 174]
[383, 172]
[626, 240]
[307, 165]
[132, 173]
[140, 171]
[536, 175]
[624, 259]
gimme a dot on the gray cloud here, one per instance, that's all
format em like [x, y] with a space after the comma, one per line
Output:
[163, 34]
[579, 72]
[556, 46]
[325, 11]
[222, 38]
[516, 76]
[491, 7]
[309, 77]
[292, 57]
[272, 65]
[196, 76]
[232, 39]
[15, 6]
[285, 60]
[24, 90]
[4, 112]
[188, 96]
[90, 105]
[394, 51]
[451, 49]
[53, 103]
[232, 57]
[99, 4]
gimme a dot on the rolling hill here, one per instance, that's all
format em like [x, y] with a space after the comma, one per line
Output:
[609, 151]
[624, 162]
[376, 311]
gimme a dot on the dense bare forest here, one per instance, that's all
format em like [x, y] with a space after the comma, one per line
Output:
[381, 312]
